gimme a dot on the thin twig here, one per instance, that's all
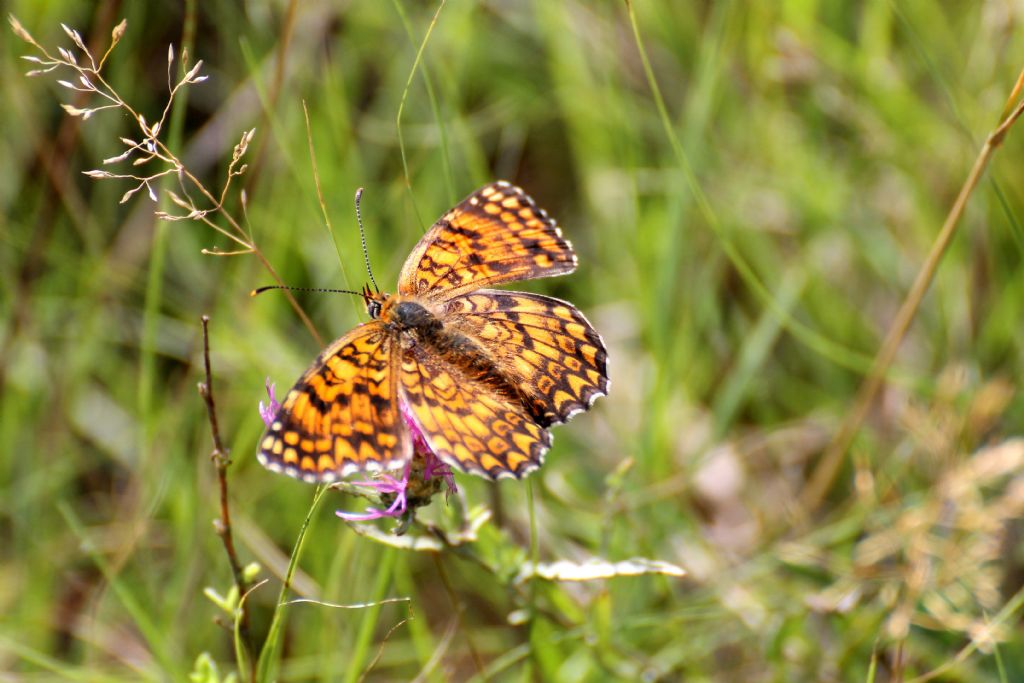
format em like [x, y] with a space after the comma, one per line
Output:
[405, 95]
[384, 642]
[151, 147]
[439, 652]
[221, 461]
[285, 35]
[256, 252]
[827, 469]
[323, 202]
[459, 608]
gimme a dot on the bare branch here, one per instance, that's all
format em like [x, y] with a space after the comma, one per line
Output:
[221, 461]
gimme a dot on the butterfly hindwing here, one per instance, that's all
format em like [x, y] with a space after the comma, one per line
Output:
[497, 234]
[466, 423]
[342, 415]
[544, 345]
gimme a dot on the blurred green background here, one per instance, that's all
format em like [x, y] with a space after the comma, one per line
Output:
[743, 254]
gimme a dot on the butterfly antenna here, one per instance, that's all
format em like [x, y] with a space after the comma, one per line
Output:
[362, 236]
[260, 290]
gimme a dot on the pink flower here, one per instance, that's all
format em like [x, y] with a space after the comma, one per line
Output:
[433, 467]
[269, 411]
[387, 484]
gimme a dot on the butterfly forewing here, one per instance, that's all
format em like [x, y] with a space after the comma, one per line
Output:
[544, 345]
[497, 234]
[342, 415]
[466, 422]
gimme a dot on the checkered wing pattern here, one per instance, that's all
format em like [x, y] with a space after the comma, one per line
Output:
[342, 415]
[482, 373]
[555, 358]
[466, 422]
[497, 234]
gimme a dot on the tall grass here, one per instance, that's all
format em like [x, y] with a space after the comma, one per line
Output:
[752, 189]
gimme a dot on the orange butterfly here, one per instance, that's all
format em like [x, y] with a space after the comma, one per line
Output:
[480, 373]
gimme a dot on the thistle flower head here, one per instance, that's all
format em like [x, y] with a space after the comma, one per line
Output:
[421, 479]
[387, 486]
[267, 412]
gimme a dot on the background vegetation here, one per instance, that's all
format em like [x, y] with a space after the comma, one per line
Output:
[743, 251]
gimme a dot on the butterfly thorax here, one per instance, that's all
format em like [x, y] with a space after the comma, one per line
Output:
[416, 324]
[407, 314]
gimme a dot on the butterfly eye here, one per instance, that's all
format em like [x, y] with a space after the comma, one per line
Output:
[373, 308]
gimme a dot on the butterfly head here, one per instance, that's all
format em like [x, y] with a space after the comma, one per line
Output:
[374, 301]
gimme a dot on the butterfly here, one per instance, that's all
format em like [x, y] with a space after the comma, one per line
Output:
[480, 374]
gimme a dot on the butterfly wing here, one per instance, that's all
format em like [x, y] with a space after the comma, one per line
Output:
[497, 234]
[543, 345]
[342, 415]
[468, 424]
